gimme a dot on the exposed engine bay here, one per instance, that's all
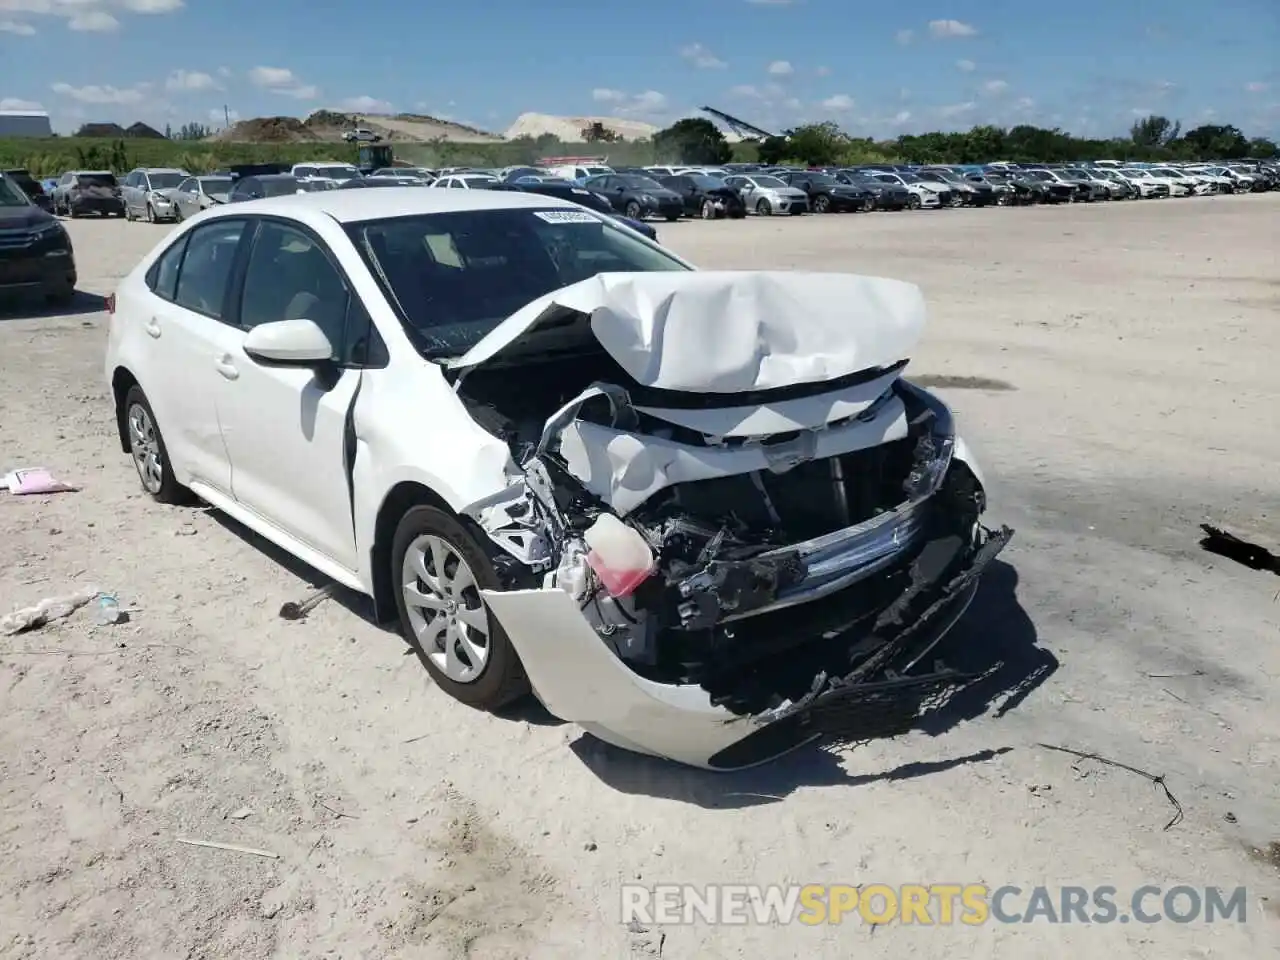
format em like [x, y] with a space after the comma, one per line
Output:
[779, 570]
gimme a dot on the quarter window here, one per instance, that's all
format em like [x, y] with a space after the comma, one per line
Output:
[162, 278]
[206, 268]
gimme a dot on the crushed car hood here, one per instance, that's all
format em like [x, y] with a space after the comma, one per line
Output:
[725, 332]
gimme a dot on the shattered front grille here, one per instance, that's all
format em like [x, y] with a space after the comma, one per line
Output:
[809, 500]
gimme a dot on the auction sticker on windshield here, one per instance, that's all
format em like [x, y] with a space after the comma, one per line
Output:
[566, 216]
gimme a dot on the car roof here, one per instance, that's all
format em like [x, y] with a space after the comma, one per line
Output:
[161, 170]
[353, 206]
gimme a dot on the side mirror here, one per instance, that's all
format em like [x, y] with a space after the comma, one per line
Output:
[298, 343]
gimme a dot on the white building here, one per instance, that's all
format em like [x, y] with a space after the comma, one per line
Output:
[25, 123]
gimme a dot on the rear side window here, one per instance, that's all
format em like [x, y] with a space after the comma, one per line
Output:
[162, 278]
[206, 268]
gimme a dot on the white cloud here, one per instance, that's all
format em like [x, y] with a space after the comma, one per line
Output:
[901, 117]
[956, 109]
[1257, 86]
[152, 6]
[284, 82]
[701, 57]
[995, 86]
[189, 80]
[17, 27]
[16, 103]
[966, 66]
[102, 95]
[646, 102]
[365, 104]
[93, 21]
[781, 68]
[942, 29]
[905, 37]
[841, 101]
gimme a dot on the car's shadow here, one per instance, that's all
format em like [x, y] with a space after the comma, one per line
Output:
[35, 307]
[995, 642]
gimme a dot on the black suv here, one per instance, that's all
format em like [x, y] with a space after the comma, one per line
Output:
[35, 250]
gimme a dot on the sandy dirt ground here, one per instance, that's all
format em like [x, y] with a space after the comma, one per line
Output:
[1114, 366]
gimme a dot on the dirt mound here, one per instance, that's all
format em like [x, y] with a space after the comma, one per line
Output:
[269, 130]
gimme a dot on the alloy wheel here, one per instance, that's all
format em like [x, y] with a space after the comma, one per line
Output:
[445, 610]
[144, 444]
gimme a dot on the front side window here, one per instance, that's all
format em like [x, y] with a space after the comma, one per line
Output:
[206, 269]
[290, 277]
[11, 194]
[455, 276]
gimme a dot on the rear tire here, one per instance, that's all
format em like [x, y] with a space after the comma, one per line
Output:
[500, 678]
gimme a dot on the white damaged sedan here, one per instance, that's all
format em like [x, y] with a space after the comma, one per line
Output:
[701, 514]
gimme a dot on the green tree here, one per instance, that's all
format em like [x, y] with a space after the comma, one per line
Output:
[1212, 140]
[817, 144]
[693, 140]
[597, 132]
[1263, 149]
[1154, 131]
[773, 150]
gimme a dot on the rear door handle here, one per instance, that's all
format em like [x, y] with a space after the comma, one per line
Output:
[226, 367]
[153, 328]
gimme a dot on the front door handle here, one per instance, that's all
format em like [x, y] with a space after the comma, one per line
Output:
[153, 328]
[226, 367]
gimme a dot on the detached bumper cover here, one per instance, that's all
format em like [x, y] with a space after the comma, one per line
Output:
[579, 679]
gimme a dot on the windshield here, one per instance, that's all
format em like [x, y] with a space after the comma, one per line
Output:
[946, 175]
[11, 194]
[165, 181]
[770, 182]
[641, 183]
[278, 188]
[337, 173]
[1037, 174]
[1079, 174]
[216, 184]
[1166, 172]
[456, 276]
[598, 171]
[825, 179]
[706, 182]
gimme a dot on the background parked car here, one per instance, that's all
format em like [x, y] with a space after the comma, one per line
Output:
[705, 196]
[146, 193]
[326, 170]
[274, 185]
[926, 193]
[466, 181]
[200, 193]
[888, 196]
[88, 191]
[637, 197]
[35, 247]
[827, 194]
[965, 192]
[765, 195]
[31, 187]
[565, 190]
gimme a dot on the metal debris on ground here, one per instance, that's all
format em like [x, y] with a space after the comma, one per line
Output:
[1157, 780]
[234, 848]
[297, 611]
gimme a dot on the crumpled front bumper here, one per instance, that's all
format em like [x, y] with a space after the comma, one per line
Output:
[580, 679]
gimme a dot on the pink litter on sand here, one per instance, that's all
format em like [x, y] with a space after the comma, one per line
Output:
[36, 480]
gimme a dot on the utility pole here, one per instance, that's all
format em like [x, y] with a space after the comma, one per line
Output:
[226, 117]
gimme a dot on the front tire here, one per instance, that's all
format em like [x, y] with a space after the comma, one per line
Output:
[150, 455]
[764, 208]
[708, 210]
[632, 211]
[60, 294]
[822, 204]
[914, 202]
[439, 571]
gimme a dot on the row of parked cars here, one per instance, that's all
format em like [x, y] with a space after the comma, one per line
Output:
[663, 191]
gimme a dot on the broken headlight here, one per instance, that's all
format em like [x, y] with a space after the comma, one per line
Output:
[934, 428]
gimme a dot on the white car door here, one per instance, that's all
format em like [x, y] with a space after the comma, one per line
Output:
[182, 323]
[285, 427]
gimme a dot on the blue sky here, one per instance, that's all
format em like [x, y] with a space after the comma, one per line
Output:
[879, 69]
